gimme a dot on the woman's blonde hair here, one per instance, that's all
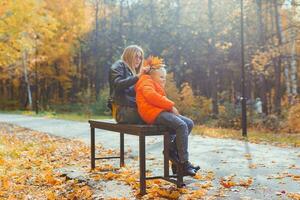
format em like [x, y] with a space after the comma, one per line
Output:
[128, 57]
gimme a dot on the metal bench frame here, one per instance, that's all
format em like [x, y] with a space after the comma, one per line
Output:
[142, 131]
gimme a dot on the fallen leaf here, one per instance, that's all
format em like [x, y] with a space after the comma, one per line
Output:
[296, 177]
[227, 184]
[248, 156]
[253, 166]
[294, 196]
[245, 183]
[50, 195]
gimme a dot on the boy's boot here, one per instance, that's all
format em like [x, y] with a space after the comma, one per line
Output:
[187, 169]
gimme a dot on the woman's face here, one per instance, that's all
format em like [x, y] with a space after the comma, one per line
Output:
[137, 59]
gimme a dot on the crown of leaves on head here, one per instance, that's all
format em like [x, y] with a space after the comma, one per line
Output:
[154, 62]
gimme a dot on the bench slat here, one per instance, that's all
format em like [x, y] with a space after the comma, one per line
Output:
[133, 129]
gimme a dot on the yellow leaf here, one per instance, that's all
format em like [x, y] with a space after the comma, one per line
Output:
[198, 176]
[5, 183]
[248, 156]
[295, 196]
[252, 166]
[168, 194]
[200, 193]
[12, 197]
[206, 185]
[50, 195]
[110, 176]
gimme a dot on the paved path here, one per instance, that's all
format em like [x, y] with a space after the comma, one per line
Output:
[222, 156]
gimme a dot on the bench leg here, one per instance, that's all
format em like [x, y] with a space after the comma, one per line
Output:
[180, 176]
[92, 148]
[122, 164]
[166, 154]
[142, 165]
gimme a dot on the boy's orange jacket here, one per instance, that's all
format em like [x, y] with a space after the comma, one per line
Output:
[151, 99]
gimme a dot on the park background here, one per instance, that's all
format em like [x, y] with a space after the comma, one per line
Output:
[55, 56]
[54, 62]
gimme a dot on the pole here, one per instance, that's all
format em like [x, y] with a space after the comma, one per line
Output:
[244, 109]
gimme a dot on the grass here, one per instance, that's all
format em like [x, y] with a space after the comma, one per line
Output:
[53, 115]
[254, 136]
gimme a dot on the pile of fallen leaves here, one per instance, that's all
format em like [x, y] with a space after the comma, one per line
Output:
[228, 182]
[28, 160]
[156, 188]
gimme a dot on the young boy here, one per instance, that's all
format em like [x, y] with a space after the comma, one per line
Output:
[155, 108]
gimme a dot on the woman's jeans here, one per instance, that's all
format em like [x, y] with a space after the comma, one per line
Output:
[180, 127]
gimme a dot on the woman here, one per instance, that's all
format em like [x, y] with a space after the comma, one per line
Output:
[123, 76]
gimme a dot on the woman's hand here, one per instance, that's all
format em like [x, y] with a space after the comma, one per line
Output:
[143, 70]
[175, 111]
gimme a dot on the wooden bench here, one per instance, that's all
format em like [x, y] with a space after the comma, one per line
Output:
[142, 131]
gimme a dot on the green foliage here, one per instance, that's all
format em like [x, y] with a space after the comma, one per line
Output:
[100, 106]
[66, 108]
[203, 109]
[9, 104]
[197, 108]
[86, 104]
[272, 122]
[229, 116]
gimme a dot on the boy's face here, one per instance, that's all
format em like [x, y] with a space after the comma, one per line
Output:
[159, 77]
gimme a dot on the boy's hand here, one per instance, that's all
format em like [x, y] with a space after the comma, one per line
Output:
[175, 111]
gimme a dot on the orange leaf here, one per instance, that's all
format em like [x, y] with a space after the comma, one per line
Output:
[246, 183]
[198, 176]
[50, 179]
[154, 62]
[199, 193]
[296, 177]
[2, 161]
[227, 184]
[5, 183]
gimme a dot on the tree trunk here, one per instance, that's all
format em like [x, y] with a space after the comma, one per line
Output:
[294, 80]
[261, 43]
[277, 65]
[153, 27]
[36, 80]
[176, 46]
[121, 21]
[212, 63]
[293, 33]
[131, 21]
[24, 62]
[96, 50]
